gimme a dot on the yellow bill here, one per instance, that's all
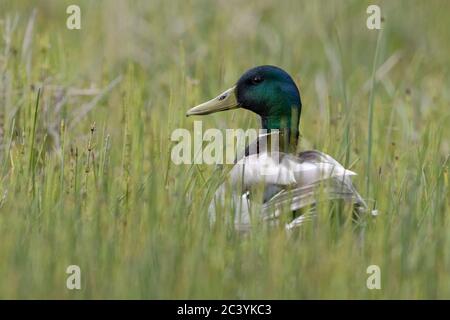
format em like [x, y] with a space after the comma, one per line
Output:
[225, 101]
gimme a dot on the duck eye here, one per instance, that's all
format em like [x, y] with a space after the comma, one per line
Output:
[257, 79]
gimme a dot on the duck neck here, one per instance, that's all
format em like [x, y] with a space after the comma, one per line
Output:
[287, 126]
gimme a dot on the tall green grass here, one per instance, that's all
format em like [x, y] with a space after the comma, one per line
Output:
[86, 177]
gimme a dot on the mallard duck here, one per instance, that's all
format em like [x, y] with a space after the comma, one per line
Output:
[295, 179]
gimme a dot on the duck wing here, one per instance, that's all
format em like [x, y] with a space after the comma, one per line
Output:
[324, 177]
[289, 180]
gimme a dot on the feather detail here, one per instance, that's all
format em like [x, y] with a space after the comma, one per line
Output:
[289, 180]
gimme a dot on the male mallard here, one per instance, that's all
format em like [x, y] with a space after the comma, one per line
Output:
[295, 179]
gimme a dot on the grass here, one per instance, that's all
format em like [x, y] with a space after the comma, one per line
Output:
[85, 123]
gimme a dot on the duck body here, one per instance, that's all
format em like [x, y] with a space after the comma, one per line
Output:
[290, 180]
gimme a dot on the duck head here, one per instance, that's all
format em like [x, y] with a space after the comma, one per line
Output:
[269, 92]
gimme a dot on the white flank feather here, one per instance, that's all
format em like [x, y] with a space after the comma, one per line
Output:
[296, 177]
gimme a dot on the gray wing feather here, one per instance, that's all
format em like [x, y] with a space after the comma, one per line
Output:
[300, 197]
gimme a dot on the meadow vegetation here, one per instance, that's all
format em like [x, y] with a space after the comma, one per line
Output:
[85, 171]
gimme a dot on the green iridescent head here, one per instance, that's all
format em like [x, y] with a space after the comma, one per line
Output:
[268, 91]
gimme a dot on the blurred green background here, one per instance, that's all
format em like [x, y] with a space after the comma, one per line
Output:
[86, 177]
